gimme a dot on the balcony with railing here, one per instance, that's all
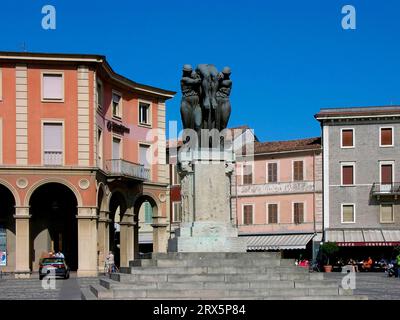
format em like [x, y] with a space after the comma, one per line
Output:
[126, 169]
[52, 158]
[386, 189]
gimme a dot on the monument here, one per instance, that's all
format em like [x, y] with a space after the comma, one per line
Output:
[206, 163]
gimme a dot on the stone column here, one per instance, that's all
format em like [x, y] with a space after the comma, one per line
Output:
[103, 235]
[87, 242]
[126, 238]
[136, 240]
[160, 235]
[22, 260]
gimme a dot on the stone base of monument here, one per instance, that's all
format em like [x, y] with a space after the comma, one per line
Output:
[206, 237]
[208, 223]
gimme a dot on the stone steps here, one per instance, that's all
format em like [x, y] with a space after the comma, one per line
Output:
[216, 276]
[265, 262]
[216, 270]
[266, 284]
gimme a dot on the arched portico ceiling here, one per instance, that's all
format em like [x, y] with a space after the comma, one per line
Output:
[42, 182]
[14, 192]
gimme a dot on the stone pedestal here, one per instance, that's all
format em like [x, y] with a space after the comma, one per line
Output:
[207, 221]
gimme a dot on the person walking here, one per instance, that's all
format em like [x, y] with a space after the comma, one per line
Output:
[110, 262]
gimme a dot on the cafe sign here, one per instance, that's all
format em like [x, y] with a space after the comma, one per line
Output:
[117, 127]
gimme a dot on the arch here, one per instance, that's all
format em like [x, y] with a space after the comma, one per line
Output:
[103, 203]
[53, 180]
[146, 196]
[14, 192]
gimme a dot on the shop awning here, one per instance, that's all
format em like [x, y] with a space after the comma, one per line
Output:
[278, 242]
[363, 237]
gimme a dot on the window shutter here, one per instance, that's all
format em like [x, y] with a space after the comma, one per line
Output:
[387, 213]
[272, 213]
[348, 175]
[247, 174]
[347, 138]
[144, 156]
[148, 213]
[298, 213]
[386, 137]
[298, 170]
[272, 172]
[52, 137]
[53, 86]
[177, 212]
[386, 174]
[247, 215]
[348, 213]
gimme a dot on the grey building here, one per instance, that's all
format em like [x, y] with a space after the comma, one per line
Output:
[361, 175]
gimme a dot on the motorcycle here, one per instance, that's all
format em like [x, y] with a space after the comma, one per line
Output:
[391, 270]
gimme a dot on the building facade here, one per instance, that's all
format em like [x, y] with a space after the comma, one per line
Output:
[276, 196]
[279, 196]
[82, 148]
[361, 148]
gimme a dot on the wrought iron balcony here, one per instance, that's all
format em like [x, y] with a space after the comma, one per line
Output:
[123, 168]
[385, 189]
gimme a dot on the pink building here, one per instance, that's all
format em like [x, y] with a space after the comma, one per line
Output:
[278, 195]
[82, 148]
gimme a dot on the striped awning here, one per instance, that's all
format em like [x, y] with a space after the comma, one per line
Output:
[278, 241]
[363, 237]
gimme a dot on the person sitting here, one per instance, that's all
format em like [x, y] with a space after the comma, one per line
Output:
[367, 264]
[59, 254]
[353, 264]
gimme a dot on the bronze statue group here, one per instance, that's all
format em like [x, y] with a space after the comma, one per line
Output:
[205, 101]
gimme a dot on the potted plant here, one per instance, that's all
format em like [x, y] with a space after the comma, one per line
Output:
[328, 250]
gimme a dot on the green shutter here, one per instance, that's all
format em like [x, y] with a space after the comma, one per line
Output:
[148, 213]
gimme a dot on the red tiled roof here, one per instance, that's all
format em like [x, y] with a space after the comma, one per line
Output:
[290, 145]
[358, 111]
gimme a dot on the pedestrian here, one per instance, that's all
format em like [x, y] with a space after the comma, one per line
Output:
[59, 254]
[110, 263]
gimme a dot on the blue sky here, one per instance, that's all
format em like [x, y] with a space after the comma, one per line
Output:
[288, 58]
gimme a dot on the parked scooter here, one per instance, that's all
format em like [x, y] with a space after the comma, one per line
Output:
[391, 270]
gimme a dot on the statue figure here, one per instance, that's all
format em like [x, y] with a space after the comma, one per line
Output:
[191, 112]
[209, 85]
[223, 110]
[205, 99]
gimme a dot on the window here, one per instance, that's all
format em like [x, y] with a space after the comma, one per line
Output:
[53, 144]
[298, 213]
[348, 213]
[99, 95]
[347, 174]
[3, 244]
[1, 85]
[247, 174]
[387, 213]
[298, 171]
[144, 113]
[52, 87]
[272, 213]
[176, 180]
[347, 138]
[248, 214]
[272, 172]
[386, 137]
[116, 148]
[386, 173]
[145, 156]
[176, 211]
[148, 212]
[100, 148]
[116, 105]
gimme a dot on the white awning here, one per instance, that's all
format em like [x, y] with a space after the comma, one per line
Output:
[360, 236]
[278, 242]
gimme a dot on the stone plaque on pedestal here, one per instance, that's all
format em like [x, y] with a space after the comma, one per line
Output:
[207, 221]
